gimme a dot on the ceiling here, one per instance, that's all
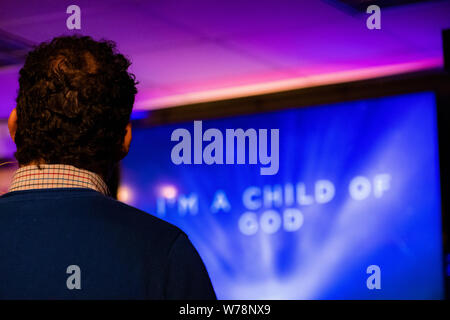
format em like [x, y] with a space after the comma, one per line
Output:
[186, 51]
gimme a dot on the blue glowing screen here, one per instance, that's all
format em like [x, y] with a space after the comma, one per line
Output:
[353, 211]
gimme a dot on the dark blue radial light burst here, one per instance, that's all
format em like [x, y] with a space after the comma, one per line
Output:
[358, 186]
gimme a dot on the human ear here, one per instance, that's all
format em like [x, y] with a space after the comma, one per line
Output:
[12, 124]
[127, 139]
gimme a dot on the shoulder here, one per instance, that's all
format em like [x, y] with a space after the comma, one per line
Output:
[137, 220]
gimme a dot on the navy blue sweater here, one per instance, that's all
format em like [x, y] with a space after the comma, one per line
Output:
[122, 252]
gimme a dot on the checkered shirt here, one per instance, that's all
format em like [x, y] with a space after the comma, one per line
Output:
[56, 176]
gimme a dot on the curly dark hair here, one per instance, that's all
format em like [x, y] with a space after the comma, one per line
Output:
[74, 102]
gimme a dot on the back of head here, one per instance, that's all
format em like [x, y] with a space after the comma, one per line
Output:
[74, 102]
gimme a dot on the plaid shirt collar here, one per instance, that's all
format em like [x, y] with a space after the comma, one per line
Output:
[56, 176]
